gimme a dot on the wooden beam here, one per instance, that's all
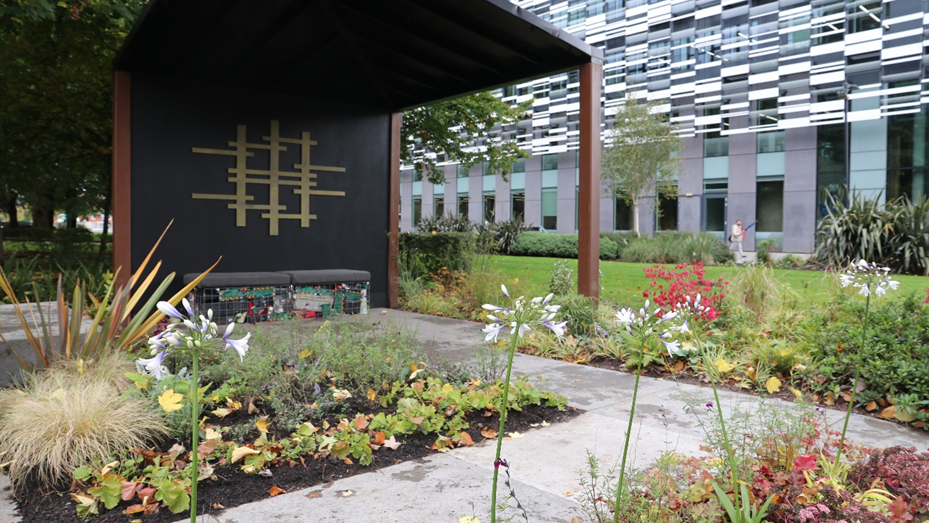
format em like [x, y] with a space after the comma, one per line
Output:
[122, 169]
[393, 213]
[588, 227]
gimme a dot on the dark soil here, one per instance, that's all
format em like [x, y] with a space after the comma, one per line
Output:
[233, 487]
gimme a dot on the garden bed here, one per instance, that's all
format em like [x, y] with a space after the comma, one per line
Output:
[232, 487]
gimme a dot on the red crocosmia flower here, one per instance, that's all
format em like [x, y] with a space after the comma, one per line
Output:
[805, 462]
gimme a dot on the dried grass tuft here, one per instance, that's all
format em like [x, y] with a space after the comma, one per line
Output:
[69, 416]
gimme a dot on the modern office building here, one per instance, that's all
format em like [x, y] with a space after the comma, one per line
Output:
[778, 102]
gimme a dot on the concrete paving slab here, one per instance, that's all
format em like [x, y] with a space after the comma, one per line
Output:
[7, 505]
[873, 432]
[555, 456]
[440, 488]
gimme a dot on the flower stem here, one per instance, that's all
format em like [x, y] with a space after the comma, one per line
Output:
[506, 392]
[195, 433]
[622, 466]
[857, 361]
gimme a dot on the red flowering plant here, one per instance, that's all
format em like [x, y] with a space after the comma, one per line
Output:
[683, 283]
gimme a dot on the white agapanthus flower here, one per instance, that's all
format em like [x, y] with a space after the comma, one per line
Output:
[522, 316]
[646, 323]
[188, 332]
[868, 278]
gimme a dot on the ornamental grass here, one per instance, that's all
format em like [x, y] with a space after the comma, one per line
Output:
[70, 415]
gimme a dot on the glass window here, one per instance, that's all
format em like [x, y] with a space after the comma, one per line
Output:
[417, 174]
[907, 141]
[715, 145]
[906, 182]
[519, 166]
[771, 142]
[463, 206]
[440, 206]
[864, 16]
[667, 213]
[769, 205]
[550, 209]
[489, 201]
[417, 211]
[518, 205]
[549, 162]
[462, 171]
[622, 218]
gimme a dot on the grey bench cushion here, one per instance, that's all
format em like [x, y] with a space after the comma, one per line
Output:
[327, 276]
[240, 279]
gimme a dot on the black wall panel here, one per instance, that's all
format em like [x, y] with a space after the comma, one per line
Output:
[171, 117]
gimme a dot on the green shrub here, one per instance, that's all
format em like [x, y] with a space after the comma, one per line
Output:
[448, 223]
[429, 252]
[551, 245]
[895, 234]
[506, 233]
[622, 240]
[673, 247]
[763, 251]
[562, 280]
[893, 359]
[582, 316]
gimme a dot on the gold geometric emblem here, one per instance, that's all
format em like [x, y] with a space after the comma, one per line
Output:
[302, 178]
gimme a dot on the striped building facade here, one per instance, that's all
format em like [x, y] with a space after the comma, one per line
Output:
[778, 102]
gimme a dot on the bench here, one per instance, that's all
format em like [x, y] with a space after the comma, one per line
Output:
[249, 297]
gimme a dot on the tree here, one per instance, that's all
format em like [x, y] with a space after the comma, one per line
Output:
[56, 118]
[642, 155]
[453, 127]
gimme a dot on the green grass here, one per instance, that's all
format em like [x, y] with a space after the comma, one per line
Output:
[625, 282]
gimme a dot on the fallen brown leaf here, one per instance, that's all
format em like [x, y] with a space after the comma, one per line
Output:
[315, 494]
[275, 490]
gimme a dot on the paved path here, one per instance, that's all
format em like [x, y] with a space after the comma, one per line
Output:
[545, 462]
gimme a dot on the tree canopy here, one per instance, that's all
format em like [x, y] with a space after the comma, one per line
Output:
[642, 155]
[453, 127]
[56, 118]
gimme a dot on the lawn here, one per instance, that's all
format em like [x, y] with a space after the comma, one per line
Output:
[625, 282]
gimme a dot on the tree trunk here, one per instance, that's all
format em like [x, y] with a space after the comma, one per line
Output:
[72, 221]
[106, 220]
[2, 254]
[635, 216]
[12, 212]
[42, 215]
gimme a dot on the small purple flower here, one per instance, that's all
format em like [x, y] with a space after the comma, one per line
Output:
[505, 292]
[500, 462]
[709, 405]
[190, 311]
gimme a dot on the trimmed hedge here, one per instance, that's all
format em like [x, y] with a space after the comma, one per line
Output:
[427, 252]
[665, 247]
[557, 245]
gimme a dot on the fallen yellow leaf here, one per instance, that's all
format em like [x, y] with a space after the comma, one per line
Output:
[724, 366]
[241, 452]
[515, 435]
[889, 413]
[371, 394]
[797, 393]
[222, 413]
[170, 400]
[773, 385]
[262, 426]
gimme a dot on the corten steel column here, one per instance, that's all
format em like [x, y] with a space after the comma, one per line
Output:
[588, 227]
[122, 120]
[393, 209]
